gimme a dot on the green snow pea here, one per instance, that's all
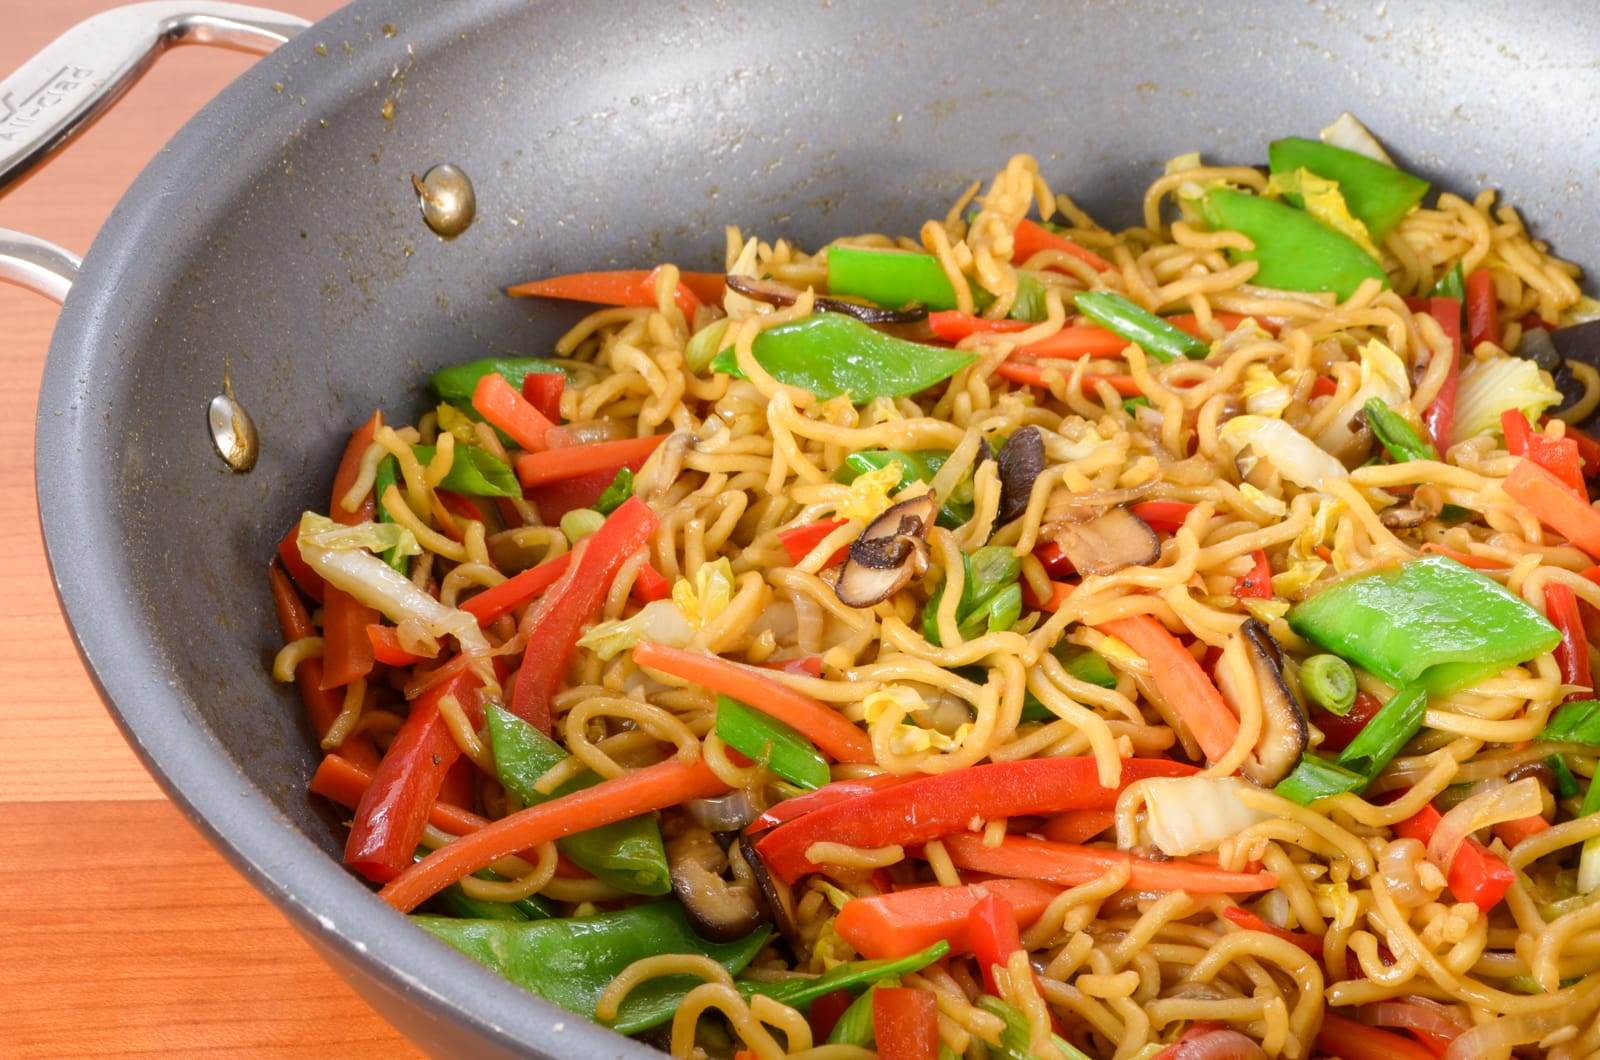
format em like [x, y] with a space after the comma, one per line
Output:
[1397, 435]
[1429, 622]
[1149, 332]
[627, 855]
[991, 597]
[570, 961]
[1296, 252]
[894, 278]
[456, 383]
[475, 472]
[831, 354]
[389, 475]
[1452, 284]
[1378, 194]
[918, 466]
[621, 489]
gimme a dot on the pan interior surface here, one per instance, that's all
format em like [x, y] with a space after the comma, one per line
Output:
[277, 247]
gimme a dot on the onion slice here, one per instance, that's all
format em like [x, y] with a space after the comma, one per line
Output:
[1500, 802]
[1415, 1014]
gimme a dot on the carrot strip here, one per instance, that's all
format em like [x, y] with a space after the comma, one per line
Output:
[1548, 498]
[307, 580]
[904, 922]
[624, 287]
[346, 652]
[1466, 559]
[554, 465]
[1030, 237]
[1024, 858]
[387, 649]
[832, 732]
[322, 705]
[1187, 689]
[1078, 826]
[643, 791]
[499, 402]
[1513, 832]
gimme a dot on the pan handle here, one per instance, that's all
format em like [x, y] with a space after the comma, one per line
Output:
[78, 77]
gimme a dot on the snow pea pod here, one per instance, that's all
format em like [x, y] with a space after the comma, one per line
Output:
[1428, 622]
[894, 278]
[991, 598]
[456, 383]
[474, 472]
[571, 961]
[1398, 436]
[389, 475]
[1295, 251]
[1378, 194]
[628, 854]
[831, 354]
[1139, 326]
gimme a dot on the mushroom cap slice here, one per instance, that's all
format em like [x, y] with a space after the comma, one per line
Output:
[719, 909]
[1250, 677]
[1108, 542]
[891, 551]
[1021, 461]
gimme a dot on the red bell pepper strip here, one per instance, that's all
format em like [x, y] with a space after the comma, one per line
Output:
[824, 1013]
[833, 733]
[346, 652]
[642, 791]
[1030, 237]
[387, 649]
[555, 465]
[1077, 826]
[322, 705]
[1312, 944]
[1440, 415]
[543, 390]
[903, 922]
[650, 585]
[1588, 448]
[827, 795]
[394, 809]
[555, 499]
[1054, 560]
[308, 580]
[1548, 498]
[625, 287]
[1572, 654]
[1165, 516]
[558, 619]
[798, 541]
[1025, 858]
[1034, 375]
[1351, 1040]
[1483, 317]
[1187, 689]
[1513, 832]
[993, 933]
[905, 1022]
[1559, 456]
[516, 590]
[1337, 730]
[1323, 386]
[463, 507]
[498, 402]
[1476, 875]
[1258, 583]
[932, 807]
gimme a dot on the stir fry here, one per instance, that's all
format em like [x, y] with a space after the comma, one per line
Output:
[1014, 638]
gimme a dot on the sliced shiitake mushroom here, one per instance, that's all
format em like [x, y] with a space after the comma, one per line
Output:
[1021, 461]
[778, 895]
[1250, 672]
[1403, 518]
[888, 554]
[1107, 542]
[774, 293]
[720, 909]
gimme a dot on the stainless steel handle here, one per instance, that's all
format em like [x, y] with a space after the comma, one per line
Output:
[78, 77]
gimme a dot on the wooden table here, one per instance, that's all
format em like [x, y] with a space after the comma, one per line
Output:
[121, 931]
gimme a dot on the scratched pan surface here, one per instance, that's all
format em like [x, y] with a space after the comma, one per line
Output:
[276, 242]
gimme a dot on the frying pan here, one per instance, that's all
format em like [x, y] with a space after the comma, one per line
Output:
[275, 247]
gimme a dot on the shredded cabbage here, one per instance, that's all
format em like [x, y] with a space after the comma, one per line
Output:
[1488, 388]
[1191, 815]
[708, 596]
[1324, 201]
[869, 493]
[659, 620]
[1347, 132]
[1296, 457]
[321, 532]
[1265, 502]
[370, 580]
[1264, 393]
[1383, 376]
[909, 738]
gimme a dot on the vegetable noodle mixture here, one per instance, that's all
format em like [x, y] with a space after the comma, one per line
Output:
[1013, 639]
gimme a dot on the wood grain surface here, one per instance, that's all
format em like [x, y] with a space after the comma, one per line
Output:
[121, 932]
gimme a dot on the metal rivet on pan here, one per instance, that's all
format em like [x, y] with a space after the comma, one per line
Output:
[447, 200]
[233, 432]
